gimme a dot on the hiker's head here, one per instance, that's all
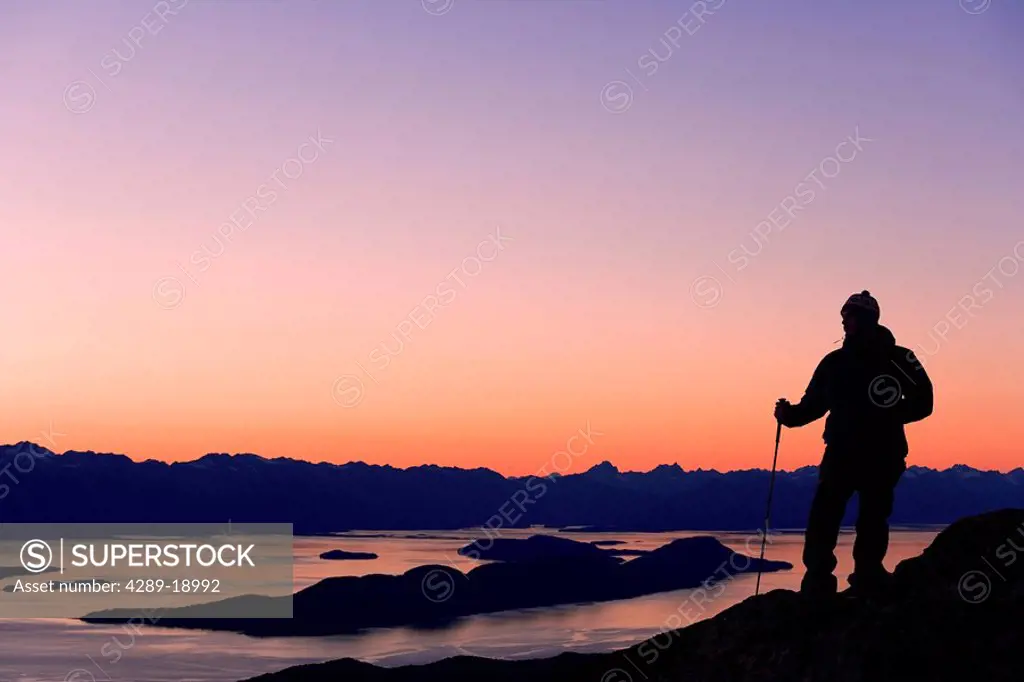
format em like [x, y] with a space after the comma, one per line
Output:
[860, 313]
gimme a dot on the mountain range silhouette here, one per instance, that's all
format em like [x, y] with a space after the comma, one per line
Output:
[86, 487]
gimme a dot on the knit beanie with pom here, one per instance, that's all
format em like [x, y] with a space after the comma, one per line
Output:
[863, 302]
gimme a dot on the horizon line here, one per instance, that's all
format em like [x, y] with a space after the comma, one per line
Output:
[483, 468]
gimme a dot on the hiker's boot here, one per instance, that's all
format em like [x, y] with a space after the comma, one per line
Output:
[818, 585]
[875, 582]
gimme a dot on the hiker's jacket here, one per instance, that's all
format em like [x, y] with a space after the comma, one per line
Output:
[870, 387]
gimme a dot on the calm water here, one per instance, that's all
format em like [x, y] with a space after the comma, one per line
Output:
[69, 651]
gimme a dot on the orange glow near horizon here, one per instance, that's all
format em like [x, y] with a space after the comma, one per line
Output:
[459, 396]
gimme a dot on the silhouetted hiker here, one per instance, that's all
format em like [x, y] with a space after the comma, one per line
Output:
[870, 387]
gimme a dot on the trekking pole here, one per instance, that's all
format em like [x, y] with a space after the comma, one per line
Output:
[768, 510]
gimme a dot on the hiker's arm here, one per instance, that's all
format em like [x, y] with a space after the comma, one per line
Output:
[813, 405]
[919, 399]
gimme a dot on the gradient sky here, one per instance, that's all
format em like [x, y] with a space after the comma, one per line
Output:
[475, 116]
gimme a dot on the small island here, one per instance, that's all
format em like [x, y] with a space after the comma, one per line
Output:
[541, 548]
[342, 555]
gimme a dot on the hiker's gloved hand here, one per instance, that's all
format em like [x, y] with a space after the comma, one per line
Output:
[783, 411]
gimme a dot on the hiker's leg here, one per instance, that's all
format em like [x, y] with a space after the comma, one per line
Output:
[833, 492]
[875, 500]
